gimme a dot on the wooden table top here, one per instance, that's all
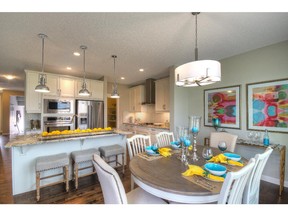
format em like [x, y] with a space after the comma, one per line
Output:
[165, 174]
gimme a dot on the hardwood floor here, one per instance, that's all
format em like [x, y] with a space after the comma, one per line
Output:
[89, 191]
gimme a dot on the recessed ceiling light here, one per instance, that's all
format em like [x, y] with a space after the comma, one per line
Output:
[122, 78]
[76, 53]
[141, 69]
[68, 68]
[9, 77]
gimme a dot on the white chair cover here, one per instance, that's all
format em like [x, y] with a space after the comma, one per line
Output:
[230, 139]
[164, 138]
[251, 192]
[233, 187]
[113, 190]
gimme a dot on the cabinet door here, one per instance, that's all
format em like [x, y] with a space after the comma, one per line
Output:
[96, 89]
[52, 83]
[136, 98]
[66, 87]
[132, 100]
[162, 95]
[32, 98]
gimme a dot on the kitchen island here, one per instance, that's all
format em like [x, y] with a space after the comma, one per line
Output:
[25, 149]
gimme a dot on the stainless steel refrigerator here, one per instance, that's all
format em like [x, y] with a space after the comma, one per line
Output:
[89, 114]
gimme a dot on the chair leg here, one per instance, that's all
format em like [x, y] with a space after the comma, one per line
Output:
[67, 178]
[76, 175]
[37, 186]
[132, 183]
[123, 167]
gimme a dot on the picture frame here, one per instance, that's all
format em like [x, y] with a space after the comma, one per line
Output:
[267, 105]
[224, 104]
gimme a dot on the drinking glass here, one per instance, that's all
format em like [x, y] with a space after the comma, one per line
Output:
[183, 135]
[257, 137]
[222, 146]
[207, 153]
[250, 135]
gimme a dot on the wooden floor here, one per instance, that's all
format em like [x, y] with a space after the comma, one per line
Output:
[89, 191]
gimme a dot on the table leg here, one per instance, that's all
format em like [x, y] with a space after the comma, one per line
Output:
[282, 168]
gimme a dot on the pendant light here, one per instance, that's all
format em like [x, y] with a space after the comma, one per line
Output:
[115, 87]
[198, 73]
[41, 87]
[84, 91]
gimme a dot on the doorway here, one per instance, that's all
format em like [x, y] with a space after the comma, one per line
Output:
[111, 112]
[16, 123]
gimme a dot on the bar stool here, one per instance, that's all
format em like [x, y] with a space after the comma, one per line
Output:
[113, 150]
[45, 163]
[81, 157]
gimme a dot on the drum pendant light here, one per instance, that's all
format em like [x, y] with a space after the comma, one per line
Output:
[41, 87]
[115, 87]
[198, 73]
[84, 91]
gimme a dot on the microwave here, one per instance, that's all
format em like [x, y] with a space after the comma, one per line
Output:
[58, 106]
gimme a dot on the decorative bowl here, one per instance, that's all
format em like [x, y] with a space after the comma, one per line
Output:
[232, 156]
[152, 150]
[215, 169]
[175, 144]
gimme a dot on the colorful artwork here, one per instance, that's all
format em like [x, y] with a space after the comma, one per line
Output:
[222, 104]
[268, 106]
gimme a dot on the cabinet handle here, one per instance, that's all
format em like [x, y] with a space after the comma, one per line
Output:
[164, 106]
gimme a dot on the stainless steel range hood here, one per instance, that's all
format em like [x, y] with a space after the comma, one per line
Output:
[149, 91]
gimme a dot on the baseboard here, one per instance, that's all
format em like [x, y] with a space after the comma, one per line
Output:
[273, 180]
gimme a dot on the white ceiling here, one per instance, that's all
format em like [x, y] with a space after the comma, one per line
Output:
[153, 41]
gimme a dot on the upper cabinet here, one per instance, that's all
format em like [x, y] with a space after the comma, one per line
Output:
[162, 102]
[33, 102]
[60, 86]
[136, 98]
[95, 87]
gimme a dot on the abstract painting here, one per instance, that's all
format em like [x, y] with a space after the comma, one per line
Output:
[223, 104]
[267, 105]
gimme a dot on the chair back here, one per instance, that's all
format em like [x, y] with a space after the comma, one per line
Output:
[251, 192]
[230, 139]
[111, 185]
[164, 138]
[233, 187]
[137, 144]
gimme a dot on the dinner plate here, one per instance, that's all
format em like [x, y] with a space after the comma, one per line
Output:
[175, 145]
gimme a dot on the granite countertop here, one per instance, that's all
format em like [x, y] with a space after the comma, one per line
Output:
[35, 139]
[147, 126]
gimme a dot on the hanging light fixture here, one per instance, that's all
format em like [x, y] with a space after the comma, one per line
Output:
[41, 87]
[115, 87]
[198, 73]
[84, 91]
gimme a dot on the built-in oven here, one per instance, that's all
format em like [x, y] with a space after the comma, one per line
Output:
[62, 123]
[58, 106]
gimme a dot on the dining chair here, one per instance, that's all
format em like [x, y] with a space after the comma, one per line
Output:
[137, 144]
[251, 192]
[164, 138]
[113, 189]
[234, 184]
[230, 139]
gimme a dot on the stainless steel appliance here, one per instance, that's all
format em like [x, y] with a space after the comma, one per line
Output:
[53, 123]
[60, 106]
[90, 114]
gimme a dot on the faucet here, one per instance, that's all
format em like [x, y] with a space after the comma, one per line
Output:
[73, 117]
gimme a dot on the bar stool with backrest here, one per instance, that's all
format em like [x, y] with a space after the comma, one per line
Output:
[82, 160]
[230, 139]
[137, 144]
[164, 138]
[50, 162]
[113, 190]
[251, 192]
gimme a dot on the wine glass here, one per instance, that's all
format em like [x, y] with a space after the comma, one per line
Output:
[250, 135]
[257, 137]
[222, 146]
[207, 153]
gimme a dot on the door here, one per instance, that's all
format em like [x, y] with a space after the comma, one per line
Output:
[95, 114]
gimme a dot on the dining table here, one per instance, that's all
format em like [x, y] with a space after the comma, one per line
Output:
[162, 177]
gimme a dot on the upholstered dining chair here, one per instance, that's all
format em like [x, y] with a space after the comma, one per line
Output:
[234, 184]
[137, 144]
[113, 189]
[230, 139]
[164, 138]
[251, 192]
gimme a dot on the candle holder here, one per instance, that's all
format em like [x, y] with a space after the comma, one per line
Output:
[194, 127]
[183, 135]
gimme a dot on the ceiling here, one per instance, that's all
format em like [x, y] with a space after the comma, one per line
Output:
[152, 41]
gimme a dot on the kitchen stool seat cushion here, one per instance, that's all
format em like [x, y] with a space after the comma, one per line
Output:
[111, 150]
[84, 155]
[52, 162]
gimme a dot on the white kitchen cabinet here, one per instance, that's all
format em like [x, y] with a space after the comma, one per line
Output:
[95, 87]
[162, 96]
[33, 99]
[60, 86]
[136, 98]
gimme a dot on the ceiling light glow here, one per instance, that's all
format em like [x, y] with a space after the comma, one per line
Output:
[141, 69]
[76, 54]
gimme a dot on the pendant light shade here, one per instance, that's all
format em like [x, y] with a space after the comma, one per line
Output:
[115, 87]
[41, 87]
[84, 91]
[198, 73]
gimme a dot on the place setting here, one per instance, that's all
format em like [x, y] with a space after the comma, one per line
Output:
[153, 152]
